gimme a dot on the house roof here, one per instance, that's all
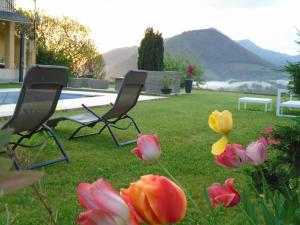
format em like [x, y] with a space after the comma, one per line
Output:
[13, 16]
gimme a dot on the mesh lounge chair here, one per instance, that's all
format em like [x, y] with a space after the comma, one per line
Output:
[37, 102]
[126, 100]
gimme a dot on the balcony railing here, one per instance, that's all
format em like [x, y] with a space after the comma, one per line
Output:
[8, 5]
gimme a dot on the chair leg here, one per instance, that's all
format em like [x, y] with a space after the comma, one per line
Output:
[73, 136]
[135, 124]
[58, 143]
[75, 132]
[59, 159]
[121, 144]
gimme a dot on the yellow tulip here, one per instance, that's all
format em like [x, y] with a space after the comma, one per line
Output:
[220, 146]
[221, 122]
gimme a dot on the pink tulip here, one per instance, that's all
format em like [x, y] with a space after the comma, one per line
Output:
[256, 152]
[104, 205]
[229, 158]
[148, 148]
[225, 195]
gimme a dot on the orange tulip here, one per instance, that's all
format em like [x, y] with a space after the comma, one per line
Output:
[157, 200]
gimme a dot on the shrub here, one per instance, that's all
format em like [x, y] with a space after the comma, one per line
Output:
[282, 170]
[48, 57]
[294, 84]
[180, 63]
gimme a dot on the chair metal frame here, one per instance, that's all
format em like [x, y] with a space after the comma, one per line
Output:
[109, 120]
[37, 76]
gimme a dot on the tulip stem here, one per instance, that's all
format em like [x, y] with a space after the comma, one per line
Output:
[248, 217]
[186, 192]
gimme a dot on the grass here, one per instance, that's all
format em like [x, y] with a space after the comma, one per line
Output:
[10, 85]
[182, 128]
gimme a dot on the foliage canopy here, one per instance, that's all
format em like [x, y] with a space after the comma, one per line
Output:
[64, 38]
[294, 70]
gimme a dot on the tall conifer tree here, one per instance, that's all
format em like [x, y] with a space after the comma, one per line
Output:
[151, 51]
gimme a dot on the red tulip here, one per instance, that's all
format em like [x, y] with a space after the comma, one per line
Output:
[229, 158]
[271, 140]
[157, 200]
[225, 195]
[148, 148]
[104, 205]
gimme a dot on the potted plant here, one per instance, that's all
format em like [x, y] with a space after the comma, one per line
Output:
[167, 83]
[189, 80]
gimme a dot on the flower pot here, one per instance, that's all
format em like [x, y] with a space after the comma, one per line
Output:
[166, 90]
[188, 85]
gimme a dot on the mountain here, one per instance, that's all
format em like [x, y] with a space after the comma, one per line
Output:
[277, 58]
[221, 57]
[119, 61]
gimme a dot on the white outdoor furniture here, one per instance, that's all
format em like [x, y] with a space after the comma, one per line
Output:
[264, 101]
[291, 104]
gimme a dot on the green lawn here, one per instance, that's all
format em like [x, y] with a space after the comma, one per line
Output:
[10, 85]
[182, 128]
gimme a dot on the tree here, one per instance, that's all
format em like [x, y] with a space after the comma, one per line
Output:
[65, 38]
[49, 57]
[151, 51]
[294, 70]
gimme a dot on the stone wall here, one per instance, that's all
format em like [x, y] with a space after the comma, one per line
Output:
[153, 81]
[87, 83]
[9, 75]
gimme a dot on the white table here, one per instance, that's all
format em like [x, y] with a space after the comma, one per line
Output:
[265, 101]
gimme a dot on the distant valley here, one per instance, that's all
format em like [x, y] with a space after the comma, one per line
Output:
[223, 59]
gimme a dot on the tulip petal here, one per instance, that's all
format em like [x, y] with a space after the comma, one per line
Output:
[225, 199]
[225, 122]
[226, 194]
[148, 148]
[212, 121]
[134, 217]
[172, 197]
[256, 153]
[229, 158]
[84, 196]
[137, 152]
[98, 217]
[219, 146]
[104, 204]
[157, 200]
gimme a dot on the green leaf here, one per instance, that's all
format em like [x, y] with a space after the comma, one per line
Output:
[269, 218]
[5, 165]
[18, 179]
[250, 208]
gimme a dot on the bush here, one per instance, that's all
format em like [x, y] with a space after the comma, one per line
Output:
[48, 57]
[180, 63]
[282, 170]
[294, 84]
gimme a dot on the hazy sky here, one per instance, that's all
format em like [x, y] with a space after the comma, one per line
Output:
[271, 24]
